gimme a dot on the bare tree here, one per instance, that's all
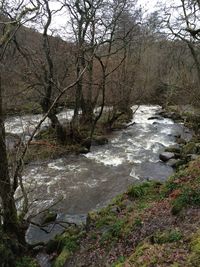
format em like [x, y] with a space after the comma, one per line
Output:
[94, 24]
[12, 23]
[48, 65]
[185, 27]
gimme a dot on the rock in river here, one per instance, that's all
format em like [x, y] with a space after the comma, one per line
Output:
[165, 156]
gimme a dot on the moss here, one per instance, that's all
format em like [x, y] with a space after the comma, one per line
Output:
[175, 264]
[69, 240]
[118, 265]
[31, 108]
[118, 200]
[170, 186]
[178, 206]
[145, 189]
[62, 258]
[105, 219]
[113, 230]
[49, 216]
[46, 134]
[26, 262]
[106, 236]
[189, 148]
[169, 236]
[119, 262]
[7, 248]
[137, 222]
[187, 197]
[66, 243]
[194, 257]
[7, 257]
[117, 228]
[173, 149]
[140, 249]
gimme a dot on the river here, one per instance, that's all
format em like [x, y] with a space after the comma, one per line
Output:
[90, 181]
[80, 183]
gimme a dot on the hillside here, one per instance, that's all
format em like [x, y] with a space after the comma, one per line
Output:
[23, 75]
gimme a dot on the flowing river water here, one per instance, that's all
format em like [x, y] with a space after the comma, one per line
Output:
[90, 181]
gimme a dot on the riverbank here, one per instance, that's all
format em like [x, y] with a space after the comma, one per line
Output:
[133, 216]
[152, 224]
[45, 145]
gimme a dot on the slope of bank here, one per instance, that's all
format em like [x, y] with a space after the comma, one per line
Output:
[152, 224]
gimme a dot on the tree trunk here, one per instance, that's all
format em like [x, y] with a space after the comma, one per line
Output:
[10, 220]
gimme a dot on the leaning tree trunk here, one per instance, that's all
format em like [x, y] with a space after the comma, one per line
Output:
[10, 221]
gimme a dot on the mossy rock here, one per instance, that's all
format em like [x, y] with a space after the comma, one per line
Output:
[189, 148]
[173, 149]
[48, 217]
[62, 258]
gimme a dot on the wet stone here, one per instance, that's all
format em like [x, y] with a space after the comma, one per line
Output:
[173, 163]
[37, 235]
[43, 259]
[174, 149]
[155, 118]
[43, 234]
[165, 156]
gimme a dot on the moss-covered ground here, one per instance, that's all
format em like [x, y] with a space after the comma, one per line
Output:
[152, 224]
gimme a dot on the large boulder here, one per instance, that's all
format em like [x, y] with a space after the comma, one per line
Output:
[165, 156]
